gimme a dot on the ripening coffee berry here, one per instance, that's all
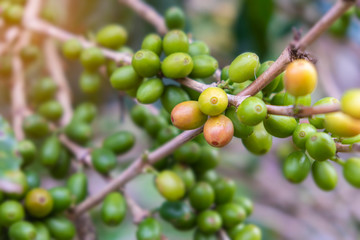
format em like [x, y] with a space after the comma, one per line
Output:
[342, 125]
[252, 111]
[209, 221]
[152, 42]
[198, 48]
[187, 115]
[201, 196]
[213, 101]
[249, 231]
[44, 89]
[231, 214]
[224, 190]
[302, 132]
[245, 203]
[240, 130]
[22, 230]
[146, 63]
[113, 209]
[218, 131]
[11, 212]
[188, 153]
[35, 126]
[320, 146]
[186, 174]
[51, 110]
[125, 78]
[72, 49]
[175, 18]
[300, 78]
[177, 65]
[280, 126]
[170, 185]
[150, 91]
[350, 103]
[172, 96]
[61, 198]
[85, 112]
[296, 167]
[154, 123]
[119, 142]
[103, 160]
[149, 228]
[60, 227]
[175, 41]
[351, 171]
[204, 66]
[78, 186]
[324, 175]
[139, 115]
[244, 67]
[38, 202]
[225, 73]
[79, 132]
[318, 121]
[92, 58]
[50, 151]
[90, 82]
[112, 36]
[27, 150]
[259, 142]
[209, 159]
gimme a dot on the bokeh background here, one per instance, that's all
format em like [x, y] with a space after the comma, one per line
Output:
[229, 27]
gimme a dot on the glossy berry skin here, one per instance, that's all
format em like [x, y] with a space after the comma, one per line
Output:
[218, 131]
[61, 198]
[33, 179]
[11, 212]
[153, 43]
[252, 111]
[175, 41]
[209, 221]
[240, 130]
[103, 160]
[245, 203]
[113, 209]
[60, 228]
[79, 132]
[139, 115]
[244, 67]
[172, 96]
[175, 18]
[146, 63]
[249, 232]
[119, 142]
[166, 134]
[204, 66]
[280, 126]
[350, 103]
[188, 153]
[51, 110]
[209, 159]
[44, 89]
[300, 78]
[342, 125]
[318, 121]
[149, 229]
[62, 166]
[232, 232]
[296, 167]
[351, 171]
[22, 230]
[78, 186]
[170, 185]
[71, 49]
[125, 78]
[112, 36]
[198, 235]
[187, 115]
[154, 124]
[301, 133]
[202, 196]
[13, 14]
[92, 58]
[150, 91]
[38, 202]
[213, 101]
[42, 233]
[186, 174]
[179, 214]
[324, 175]
[198, 48]
[90, 82]
[85, 112]
[50, 151]
[259, 142]
[231, 214]
[177, 65]
[320, 146]
[224, 190]
[35, 126]
[27, 150]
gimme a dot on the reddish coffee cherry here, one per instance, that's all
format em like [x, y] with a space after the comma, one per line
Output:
[218, 131]
[187, 115]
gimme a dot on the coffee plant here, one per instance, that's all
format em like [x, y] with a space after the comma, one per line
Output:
[203, 106]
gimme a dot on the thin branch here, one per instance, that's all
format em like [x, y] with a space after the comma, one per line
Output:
[347, 148]
[301, 111]
[148, 13]
[223, 235]
[138, 213]
[81, 154]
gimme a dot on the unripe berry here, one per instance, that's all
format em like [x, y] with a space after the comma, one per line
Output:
[213, 101]
[350, 103]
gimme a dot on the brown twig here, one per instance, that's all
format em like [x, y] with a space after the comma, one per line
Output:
[137, 212]
[223, 235]
[347, 148]
[301, 111]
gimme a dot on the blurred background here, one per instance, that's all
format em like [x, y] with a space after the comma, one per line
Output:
[230, 27]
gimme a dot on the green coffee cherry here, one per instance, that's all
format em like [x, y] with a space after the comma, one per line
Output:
[146, 63]
[113, 210]
[240, 130]
[51, 110]
[177, 65]
[299, 101]
[170, 185]
[61, 199]
[186, 174]
[27, 151]
[232, 232]
[77, 184]
[92, 58]
[224, 190]
[85, 112]
[259, 142]
[38, 202]
[172, 96]
[175, 18]
[175, 41]
[50, 151]
[11, 212]
[210, 176]
[42, 233]
[72, 49]
[202, 196]
[320, 146]
[302, 132]
[150, 91]
[79, 132]
[60, 228]
[351, 171]
[33, 179]
[35, 126]
[280, 126]
[22, 231]
[209, 159]
[239, 87]
[119, 142]
[188, 153]
[90, 82]
[62, 165]
[324, 175]
[252, 111]
[139, 115]
[154, 124]
[209, 221]
[198, 235]
[148, 229]
[153, 43]
[29, 53]
[43, 90]
[274, 83]
[318, 121]
[125, 78]
[199, 48]
[249, 232]
[112, 36]
[245, 203]
[244, 67]
[187, 115]
[179, 214]
[204, 66]
[296, 167]
[213, 101]
[103, 160]
[231, 214]
[13, 14]
[166, 134]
